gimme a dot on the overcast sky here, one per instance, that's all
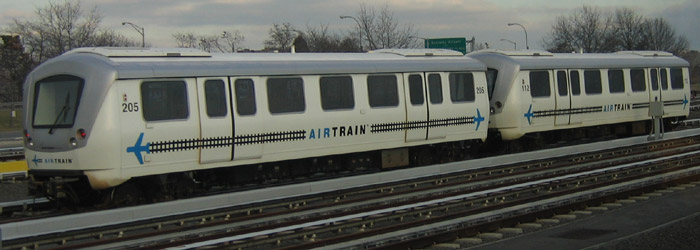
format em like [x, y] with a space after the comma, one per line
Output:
[486, 20]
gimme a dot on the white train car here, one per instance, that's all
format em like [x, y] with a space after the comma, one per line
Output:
[537, 91]
[104, 116]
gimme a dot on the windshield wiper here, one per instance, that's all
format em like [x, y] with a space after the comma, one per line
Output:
[64, 110]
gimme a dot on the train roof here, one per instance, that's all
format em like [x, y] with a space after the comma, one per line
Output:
[545, 60]
[133, 63]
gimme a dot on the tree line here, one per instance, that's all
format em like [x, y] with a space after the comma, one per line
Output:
[60, 27]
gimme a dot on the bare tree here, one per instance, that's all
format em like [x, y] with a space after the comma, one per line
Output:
[382, 30]
[228, 42]
[281, 37]
[15, 64]
[232, 41]
[593, 30]
[61, 27]
[320, 39]
[186, 40]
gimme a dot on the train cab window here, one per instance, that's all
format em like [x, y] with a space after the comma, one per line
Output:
[56, 101]
[337, 93]
[562, 85]
[539, 84]
[462, 87]
[639, 83]
[491, 77]
[654, 75]
[676, 78]
[215, 95]
[285, 95]
[383, 91]
[616, 81]
[435, 88]
[575, 82]
[415, 89]
[164, 100]
[664, 79]
[245, 97]
[592, 82]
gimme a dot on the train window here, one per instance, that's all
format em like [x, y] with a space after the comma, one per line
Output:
[616, 81]
[383, 91]
[337, 93]
[215, 95]
[575, 82]
[592, 82]
[491, 77]
[245, 97]
[539, 84]
[664, 79]
[462, 87]
[415, 87]
[285, 95]
[56, 101]
[164, 100]
[676, 78]
[435, 88]
[654, 79]
[562, 85]
[639, 83]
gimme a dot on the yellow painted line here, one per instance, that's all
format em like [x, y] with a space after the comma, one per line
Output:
[13, 166]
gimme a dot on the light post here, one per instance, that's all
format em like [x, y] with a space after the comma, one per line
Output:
[521, 26]
[140, 30]
[515, 46]
[358, 26]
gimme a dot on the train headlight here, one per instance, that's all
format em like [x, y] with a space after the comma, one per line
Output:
[73, 142]
[30, 142]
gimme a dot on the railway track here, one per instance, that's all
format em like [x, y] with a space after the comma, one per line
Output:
[353, 215]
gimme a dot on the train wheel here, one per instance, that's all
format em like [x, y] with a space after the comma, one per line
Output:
[127, 194]
[422, 157]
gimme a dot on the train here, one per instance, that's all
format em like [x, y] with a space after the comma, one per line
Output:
[124, 125]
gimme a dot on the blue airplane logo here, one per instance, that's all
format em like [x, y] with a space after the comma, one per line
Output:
[529, 115]
[36, 161]
[137, 149]
[685, 101]
[478, 119]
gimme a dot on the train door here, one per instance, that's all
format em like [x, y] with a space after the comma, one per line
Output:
[655, 90]
[248, 141]
[216, 128]
[577, 100]
[563, 99]
[416, 107]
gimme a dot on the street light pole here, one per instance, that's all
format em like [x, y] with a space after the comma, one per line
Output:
[358, 26]
[521, 26]
[140, 30]
[515, 46]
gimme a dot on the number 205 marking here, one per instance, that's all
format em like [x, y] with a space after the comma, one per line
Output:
[130, 107]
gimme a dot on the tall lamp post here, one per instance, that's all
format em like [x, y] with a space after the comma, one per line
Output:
[521, 26]
[358, 26]
[140, 30]
[515, 46]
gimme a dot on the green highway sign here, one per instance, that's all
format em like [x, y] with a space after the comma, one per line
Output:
[458, 44]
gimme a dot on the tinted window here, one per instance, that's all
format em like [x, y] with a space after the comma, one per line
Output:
[591, 80]
[676, 78]
[639, 83]
[539, 84]
[382, 91]
[616, 81]
[561, 83]
[435, 88]
[285, 95]
[245, 97]
[215, 95]
[56, 101]
[164, 100]
[575, 83]
[491, 77]
[664, 79]
[337, 93]
[415, 87]
[654, 79]
[462, 87]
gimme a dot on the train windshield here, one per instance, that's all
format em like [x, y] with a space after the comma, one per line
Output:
[56, 101]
